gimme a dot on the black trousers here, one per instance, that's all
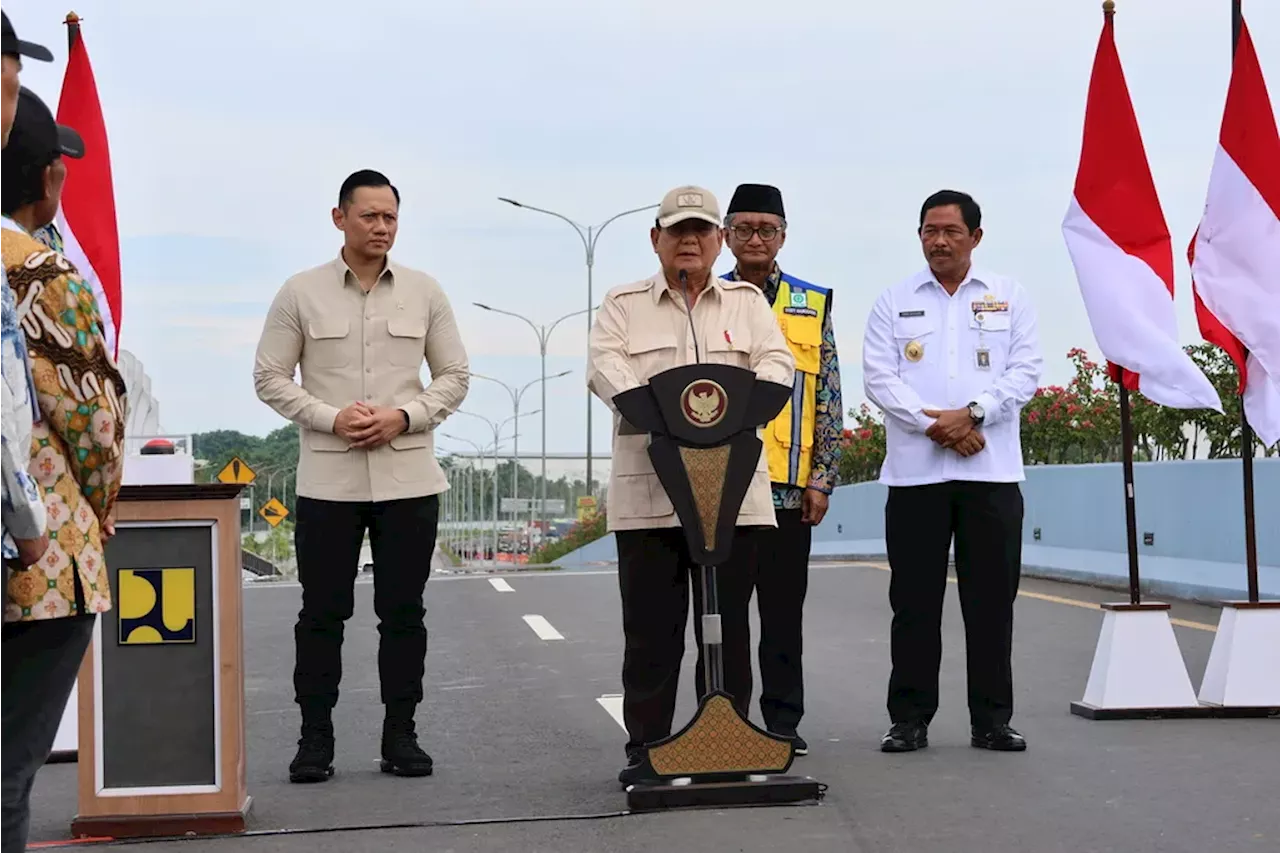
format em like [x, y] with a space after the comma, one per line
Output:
[654, 575]
[41, 661]
[782, 581]
[328, 536]
[986, 521]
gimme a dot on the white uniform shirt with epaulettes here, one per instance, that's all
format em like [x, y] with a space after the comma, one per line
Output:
[927, 349]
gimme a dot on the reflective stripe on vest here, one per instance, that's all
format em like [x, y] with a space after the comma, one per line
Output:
[800, 308]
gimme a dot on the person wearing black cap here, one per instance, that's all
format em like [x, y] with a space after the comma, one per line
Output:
[50, 607]
[802, 447]
[14, 49]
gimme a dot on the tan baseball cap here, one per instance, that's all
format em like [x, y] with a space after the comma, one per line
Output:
[688, 202]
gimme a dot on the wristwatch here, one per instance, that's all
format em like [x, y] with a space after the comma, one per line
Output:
[977, 413]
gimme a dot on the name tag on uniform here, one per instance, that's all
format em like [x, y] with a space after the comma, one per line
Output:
[911, 313]
[982, 358]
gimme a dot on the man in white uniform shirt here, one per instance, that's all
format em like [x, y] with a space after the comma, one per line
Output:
[951, 357]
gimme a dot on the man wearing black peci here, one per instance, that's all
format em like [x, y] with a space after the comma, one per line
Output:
[802, 448]
[950, 355]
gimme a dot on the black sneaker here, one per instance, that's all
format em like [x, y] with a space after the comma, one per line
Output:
[401, 754]
[1000, 738]
[314, 759]
[799, 744]
[905, 737]
[636, 769]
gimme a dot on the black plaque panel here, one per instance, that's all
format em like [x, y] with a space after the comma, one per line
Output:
[158, 716]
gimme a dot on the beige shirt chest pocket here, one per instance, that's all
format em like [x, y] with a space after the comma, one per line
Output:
[328, 343]
[729, 346]
[650, 351]
[916, 340]
[406, 343]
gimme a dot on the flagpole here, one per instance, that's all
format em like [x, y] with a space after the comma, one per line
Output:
[1246, 431]
[73, 29]
[1130, 507]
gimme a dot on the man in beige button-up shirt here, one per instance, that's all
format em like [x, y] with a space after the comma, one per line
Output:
[643, 329]
[359, 328]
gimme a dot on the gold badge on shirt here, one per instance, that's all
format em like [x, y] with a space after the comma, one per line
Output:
[914, 351]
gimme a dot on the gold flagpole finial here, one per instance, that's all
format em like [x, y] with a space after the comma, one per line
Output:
[72, 18]
[1108, 7]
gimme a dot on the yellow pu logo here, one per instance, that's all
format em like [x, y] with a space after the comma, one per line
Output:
[157, 606]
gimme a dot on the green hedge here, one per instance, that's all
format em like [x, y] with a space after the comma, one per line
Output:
[582, 533]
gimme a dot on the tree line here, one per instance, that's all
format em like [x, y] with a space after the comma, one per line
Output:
[1080, 422]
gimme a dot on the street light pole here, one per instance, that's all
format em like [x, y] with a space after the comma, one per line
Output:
[515, 404]
[480, 452]
[497, 431]
[589, 235]
[544, 335]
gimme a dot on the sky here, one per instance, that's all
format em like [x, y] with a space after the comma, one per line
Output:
[232, 125]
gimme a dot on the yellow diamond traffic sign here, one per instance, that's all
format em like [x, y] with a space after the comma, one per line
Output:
[273, 511]
[237, 471]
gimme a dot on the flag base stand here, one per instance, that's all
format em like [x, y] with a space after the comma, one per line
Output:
[1138, 671]
[720, 759]
[1243, 675]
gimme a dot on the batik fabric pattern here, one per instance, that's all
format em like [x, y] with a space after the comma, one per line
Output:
[78, 447]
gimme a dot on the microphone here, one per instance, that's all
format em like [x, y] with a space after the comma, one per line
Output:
[684, 284]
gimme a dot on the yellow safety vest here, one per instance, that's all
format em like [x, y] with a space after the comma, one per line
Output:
[788, 441]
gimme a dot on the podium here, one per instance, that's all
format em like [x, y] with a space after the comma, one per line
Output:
[161, 710]
[702, 421]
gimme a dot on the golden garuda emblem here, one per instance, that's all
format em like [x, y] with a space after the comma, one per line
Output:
[704, 403]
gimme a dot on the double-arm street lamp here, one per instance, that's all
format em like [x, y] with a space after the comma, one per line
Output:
[515, 450]
[497, 433]
[589, 235]
[544, 335]
[480, 452]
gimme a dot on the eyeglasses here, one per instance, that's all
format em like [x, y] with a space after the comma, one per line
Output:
[746, 232]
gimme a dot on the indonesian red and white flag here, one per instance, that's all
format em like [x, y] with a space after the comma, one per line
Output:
[1235, 253]
[1121, 249]
[87, 218]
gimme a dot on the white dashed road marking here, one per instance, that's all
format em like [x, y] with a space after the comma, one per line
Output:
[500, 585]
[612, 702]
[543, 628]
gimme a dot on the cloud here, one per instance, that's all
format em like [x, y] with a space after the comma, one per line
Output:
[232, 124]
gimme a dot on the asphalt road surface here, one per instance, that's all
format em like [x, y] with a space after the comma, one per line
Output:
[521, 725]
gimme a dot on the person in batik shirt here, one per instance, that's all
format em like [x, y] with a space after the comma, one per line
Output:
[77, 456]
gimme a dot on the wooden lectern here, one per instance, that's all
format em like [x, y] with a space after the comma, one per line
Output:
[161, 716]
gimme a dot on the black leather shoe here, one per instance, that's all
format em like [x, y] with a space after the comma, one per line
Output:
[314, 759]
[905, 737]
[800, 745]
[636, 769]
[401, 754]
[1000, 739]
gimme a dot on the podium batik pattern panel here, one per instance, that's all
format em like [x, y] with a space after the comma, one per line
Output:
[720, 742]
[705, 468]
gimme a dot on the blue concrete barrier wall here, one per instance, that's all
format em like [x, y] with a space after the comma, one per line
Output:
[1193, 511]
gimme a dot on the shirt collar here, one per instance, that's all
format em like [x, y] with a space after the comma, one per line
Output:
[771, 283]
[975, 276]
[347, 276]
[658, 285]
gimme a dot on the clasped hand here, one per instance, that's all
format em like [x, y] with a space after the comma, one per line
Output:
[954, 428]
[366, 427]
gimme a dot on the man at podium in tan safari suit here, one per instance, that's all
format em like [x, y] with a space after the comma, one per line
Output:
[643, 329]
